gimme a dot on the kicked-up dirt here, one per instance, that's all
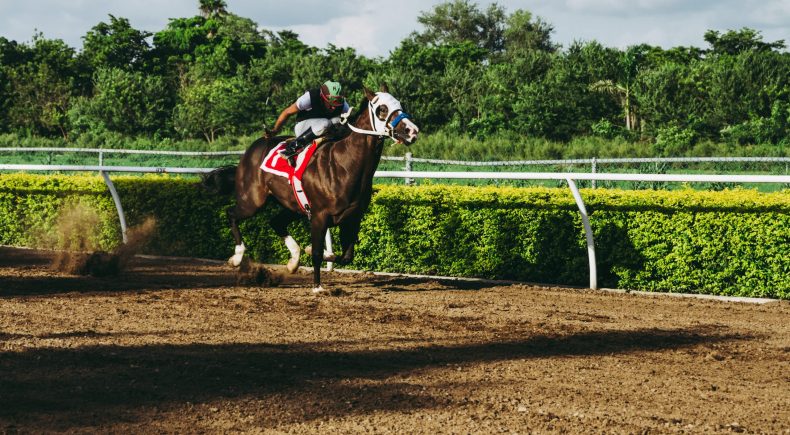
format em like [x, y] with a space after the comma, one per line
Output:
[177, 346]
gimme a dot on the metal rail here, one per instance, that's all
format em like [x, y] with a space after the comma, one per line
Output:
[592, 160]
[120, 151]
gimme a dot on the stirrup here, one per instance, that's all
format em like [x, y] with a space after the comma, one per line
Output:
[289, 151]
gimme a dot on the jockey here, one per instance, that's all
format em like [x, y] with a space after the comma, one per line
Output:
[316, 111]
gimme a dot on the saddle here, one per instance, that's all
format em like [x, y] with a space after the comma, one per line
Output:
[275, 164]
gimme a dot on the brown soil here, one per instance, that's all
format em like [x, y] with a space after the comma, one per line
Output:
[176, 346]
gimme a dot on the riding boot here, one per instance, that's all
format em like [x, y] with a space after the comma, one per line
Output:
[294, 146]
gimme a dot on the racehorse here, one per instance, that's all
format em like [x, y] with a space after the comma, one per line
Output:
[338, 181]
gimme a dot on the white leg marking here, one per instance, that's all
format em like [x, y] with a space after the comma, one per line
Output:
[295, 251]
[319, 290]
[235, 260]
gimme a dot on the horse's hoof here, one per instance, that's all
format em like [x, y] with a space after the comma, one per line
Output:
[235, 260]
[292, 265]
[308, 250]
[319, 290]
[238, 254]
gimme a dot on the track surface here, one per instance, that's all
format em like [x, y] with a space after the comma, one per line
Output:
[177, 347]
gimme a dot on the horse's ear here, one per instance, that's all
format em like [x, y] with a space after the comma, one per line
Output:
[369, 93]
[384, 88]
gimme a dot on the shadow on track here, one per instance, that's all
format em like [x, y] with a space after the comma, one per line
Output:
[65, 389]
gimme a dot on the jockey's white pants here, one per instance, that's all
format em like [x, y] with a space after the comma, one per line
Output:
[319, 125]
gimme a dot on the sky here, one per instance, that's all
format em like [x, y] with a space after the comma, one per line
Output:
[375, 27]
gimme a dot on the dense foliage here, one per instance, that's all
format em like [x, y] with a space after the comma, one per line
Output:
[728, 243]
[469, 72]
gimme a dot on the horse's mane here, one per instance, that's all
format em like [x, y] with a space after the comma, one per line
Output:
[363, 106]
[345, 131]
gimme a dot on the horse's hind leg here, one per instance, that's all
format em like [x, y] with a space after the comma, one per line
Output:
[280, 224]
[235, 214]
[242, 210]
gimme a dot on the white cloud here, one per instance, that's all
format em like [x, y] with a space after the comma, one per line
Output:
[376, 27]
[772, 13]
[622, 6]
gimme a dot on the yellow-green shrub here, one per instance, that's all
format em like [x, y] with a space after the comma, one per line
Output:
[730, 243]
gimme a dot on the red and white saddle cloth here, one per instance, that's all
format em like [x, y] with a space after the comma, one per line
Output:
[275, 164]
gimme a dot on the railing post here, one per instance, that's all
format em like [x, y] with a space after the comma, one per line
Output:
[117, 200]
[409, 181]
[594, 169]
[587, 232]
[328, 250]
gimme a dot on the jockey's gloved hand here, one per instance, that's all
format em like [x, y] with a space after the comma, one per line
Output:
[268, 134]
[344, 117]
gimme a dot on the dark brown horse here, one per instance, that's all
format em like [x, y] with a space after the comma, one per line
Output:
[338, 181]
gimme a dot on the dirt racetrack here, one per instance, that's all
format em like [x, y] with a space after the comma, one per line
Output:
[175, 346]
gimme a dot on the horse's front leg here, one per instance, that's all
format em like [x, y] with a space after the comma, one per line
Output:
[318, 226]
[246, 206]
[349, 235]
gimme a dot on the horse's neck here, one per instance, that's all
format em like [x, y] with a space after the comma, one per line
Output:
[366, 148]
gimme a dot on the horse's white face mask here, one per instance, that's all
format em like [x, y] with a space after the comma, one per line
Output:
[389, 119]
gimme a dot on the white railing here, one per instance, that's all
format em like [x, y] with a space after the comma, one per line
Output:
[102, 151]
[569, 177]
[409, 160]
[590, 161]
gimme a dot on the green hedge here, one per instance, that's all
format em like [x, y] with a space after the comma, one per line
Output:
[729, 243]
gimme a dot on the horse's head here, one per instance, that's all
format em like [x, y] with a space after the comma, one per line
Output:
[388, 117]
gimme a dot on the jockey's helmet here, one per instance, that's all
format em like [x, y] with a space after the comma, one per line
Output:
[330, 92]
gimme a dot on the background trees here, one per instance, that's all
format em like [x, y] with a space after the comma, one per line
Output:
[116, 45]
[468, 71]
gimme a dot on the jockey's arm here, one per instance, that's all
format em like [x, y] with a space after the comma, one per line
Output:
[284, 115]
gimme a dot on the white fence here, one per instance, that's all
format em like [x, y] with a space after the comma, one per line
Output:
[781, 164]
[570, 178]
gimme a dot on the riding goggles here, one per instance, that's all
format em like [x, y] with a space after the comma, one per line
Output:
[333, 100]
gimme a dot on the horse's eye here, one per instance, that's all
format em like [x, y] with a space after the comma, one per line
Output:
[381, 112]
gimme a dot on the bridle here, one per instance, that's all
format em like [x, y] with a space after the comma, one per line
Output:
[380, 127]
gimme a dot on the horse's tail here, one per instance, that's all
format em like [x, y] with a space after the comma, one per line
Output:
[220, 181]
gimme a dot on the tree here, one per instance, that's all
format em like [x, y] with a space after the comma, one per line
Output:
[41, 100]
[219, 45]
[42, 79]
[738, 41]
[175, 45]
[745, 86]
[522, 33]
[12, 55]
[212, 8]
[211, 108]
[418, 73]
[673, 95]
[628, 62]
[116, 45]
[128, 102]
[459, 21]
